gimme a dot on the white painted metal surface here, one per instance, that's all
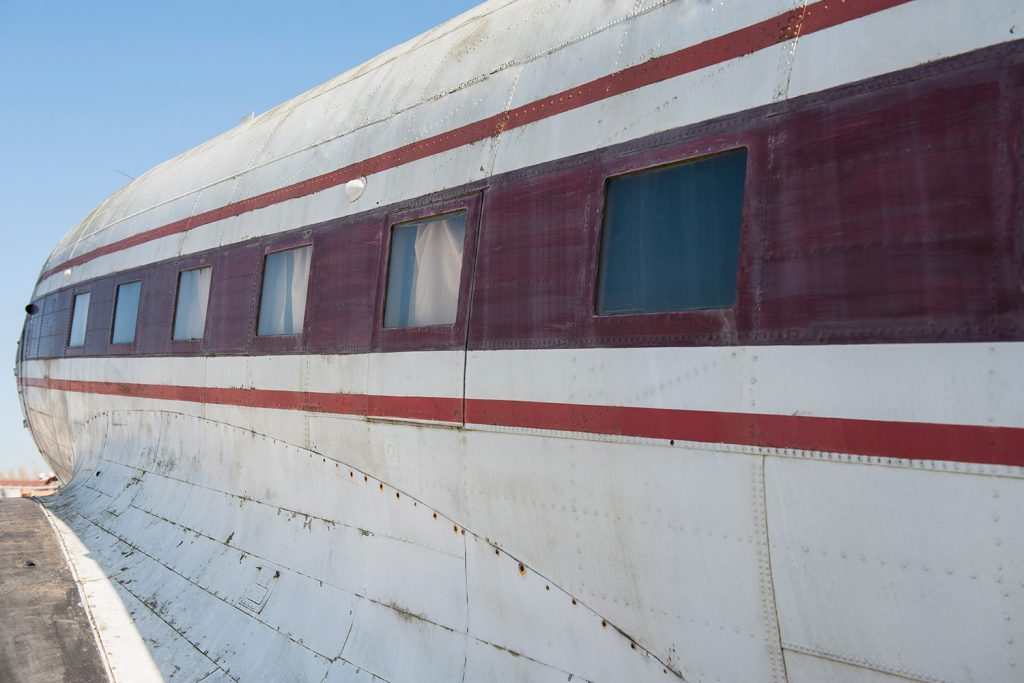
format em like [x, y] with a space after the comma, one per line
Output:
[222, 542]
[308, 569]
[970, 384]
[923, 567]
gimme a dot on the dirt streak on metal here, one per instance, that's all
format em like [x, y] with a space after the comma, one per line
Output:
[46, 633]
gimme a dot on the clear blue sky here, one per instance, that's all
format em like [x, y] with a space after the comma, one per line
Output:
[88, 89]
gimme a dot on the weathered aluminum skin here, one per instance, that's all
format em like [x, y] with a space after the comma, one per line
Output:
[218, 541]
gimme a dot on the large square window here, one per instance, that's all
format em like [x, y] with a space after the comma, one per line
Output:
[424, 272]
[190, 307]
[283, 299]
[79, 317]
[126, 313]
[671, 237]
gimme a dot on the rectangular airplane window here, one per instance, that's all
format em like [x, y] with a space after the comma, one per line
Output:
[424, 271]
[79, 316]
[283, 301]
[190, 308]
[671, 237]
[126, 313]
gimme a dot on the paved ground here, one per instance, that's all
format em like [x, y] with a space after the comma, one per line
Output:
[44, 633]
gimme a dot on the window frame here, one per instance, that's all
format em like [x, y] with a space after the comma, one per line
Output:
[709, 326]
[651, 172]
[280, 342]
[432, 337]
[68, 346]
[113, 314]
[174, 303]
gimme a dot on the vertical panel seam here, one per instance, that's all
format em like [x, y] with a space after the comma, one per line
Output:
[769, 601]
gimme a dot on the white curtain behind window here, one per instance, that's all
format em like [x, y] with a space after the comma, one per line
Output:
[193, 299]
[126, 313]
[424, 272]
[79, 317]
[283, 301]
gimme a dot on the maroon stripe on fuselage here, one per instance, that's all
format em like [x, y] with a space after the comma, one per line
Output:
[884, 211]
[884, 439]
[816, 17]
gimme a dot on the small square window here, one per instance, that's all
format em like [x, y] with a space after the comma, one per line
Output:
[126, 313]
[671, 237]
[190, 307]
[283, 300]
[79, 317]
[424, 272]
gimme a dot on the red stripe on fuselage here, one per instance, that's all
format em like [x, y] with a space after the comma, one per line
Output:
[811, 19]
[903, 440]
[400, 407]
[900, 440]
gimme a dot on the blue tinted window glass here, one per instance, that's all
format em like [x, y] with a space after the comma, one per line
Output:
[79, 317]
[126, 313]
[671, 237]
